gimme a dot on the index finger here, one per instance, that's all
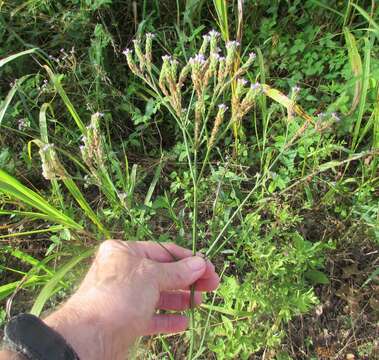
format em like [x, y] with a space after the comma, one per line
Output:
[160, 252]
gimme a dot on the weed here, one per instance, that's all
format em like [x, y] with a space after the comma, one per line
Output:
[260, 153]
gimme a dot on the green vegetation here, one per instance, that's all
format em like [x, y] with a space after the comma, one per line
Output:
[255, 143]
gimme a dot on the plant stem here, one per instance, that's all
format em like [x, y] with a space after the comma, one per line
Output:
[194, 241]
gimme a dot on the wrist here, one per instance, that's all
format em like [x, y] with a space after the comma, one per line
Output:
[10, 355]
[82, 332]
[88, 333]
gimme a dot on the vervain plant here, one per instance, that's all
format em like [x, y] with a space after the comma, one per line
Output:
[208, 75]
[199, 94]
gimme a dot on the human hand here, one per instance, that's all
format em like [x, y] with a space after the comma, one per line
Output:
[125, 286]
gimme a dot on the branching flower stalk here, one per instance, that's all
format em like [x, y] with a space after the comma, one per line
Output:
[191, 93]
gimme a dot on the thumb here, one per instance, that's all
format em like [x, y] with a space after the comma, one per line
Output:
[181, 274]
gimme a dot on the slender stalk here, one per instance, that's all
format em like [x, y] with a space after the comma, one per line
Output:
[194, 241]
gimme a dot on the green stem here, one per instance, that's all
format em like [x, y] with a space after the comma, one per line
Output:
[194, 242]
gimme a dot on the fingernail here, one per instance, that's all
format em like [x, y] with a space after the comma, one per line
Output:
[195, 263]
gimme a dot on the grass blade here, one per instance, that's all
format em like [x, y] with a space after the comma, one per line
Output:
[221, 7]
[80, 199]
[50, 287]
[285, 101]
[375, 144]
[372, 23]
[13, 188]
[56, 80]
[356, 67]
[33, 232]
[8, 289]
[365, 85]
[30, 214]
[4, 106]
[15, 56]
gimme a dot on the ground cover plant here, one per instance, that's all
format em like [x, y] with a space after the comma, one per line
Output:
[248, 131]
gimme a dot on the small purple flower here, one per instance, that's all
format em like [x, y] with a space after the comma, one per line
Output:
[127, 51]
[242, 82]
[296, 89]
[232, 44]
[166, 58]
[197, 59]
[256, 86]
[252, 55]
[22, 124]
[222, 107]
[335, 117]
[214, 33]
[216, 56]
[62, 50]
[46, 147]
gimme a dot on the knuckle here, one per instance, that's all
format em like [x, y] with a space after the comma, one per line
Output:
[109, 245]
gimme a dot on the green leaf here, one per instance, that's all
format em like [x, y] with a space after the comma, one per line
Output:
[15, 56]
[14, 189]
[50, 287]
[8, 289]
[316, 277]
[4, 106]
[56, 79]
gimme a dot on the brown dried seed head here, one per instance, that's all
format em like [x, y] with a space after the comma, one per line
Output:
[199, 107]
[214, 35]
[204, 45]
[131, 63]
[222, 108]
[140, 56]
[148, 50]
[183, 75]
[52, 168]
